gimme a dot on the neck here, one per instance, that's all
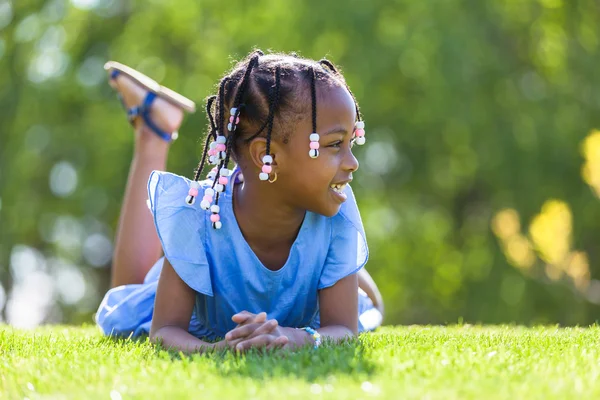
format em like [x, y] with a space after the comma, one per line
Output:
[262, 218]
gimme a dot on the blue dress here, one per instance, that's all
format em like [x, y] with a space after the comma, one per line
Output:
[226, 274]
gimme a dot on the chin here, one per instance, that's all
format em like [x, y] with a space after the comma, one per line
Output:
[329, 211]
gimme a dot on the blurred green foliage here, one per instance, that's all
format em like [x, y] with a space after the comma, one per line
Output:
[471, 107]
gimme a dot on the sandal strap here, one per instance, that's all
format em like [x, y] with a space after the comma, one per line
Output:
[144, 111]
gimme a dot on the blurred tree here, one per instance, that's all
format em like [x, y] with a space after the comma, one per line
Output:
[473, 108]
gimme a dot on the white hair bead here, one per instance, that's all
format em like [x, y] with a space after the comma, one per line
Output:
[219, 188]
[240, 177]
[233, 111]
[263, 176]
[313, 153]
[224, 172]
[231, 127]
[209, 192]
[221, 139]
[359, 124]
[190, 200]
[360, 140]
[205, 205]
[211, 160]
[222, 155]
[211, 175]
[212, 145]
[267, 159]
[217, 225]
[195, 185]
[314, 137]
[215, 208]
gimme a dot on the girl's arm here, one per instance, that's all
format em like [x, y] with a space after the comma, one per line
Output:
[339, 313]
[173, 308]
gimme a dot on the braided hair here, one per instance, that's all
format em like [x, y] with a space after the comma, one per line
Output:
[263, 95]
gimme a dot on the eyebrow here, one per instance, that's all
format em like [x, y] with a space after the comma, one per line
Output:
[337, 129]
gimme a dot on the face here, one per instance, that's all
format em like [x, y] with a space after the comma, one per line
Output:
[318, 184]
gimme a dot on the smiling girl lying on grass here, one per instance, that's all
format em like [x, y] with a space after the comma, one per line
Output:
[268, 254]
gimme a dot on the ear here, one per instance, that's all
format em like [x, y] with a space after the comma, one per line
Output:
[258, 149]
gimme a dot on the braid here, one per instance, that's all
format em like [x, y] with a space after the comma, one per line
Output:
[220, 115]
[211, 135]
[313, 92]
[274, 102]
[209, 103]
[330, 66]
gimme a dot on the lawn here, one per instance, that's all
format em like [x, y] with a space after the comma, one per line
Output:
[466, 362]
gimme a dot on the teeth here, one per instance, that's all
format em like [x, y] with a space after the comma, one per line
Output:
[338, 188]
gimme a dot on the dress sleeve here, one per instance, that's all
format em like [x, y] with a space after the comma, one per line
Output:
[348, 251]
[180, 228]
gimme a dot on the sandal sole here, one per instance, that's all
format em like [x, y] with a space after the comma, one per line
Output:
[152, 86]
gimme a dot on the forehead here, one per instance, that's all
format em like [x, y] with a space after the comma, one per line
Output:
[335, 106]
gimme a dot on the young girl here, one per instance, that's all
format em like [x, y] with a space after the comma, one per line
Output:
[267, 254]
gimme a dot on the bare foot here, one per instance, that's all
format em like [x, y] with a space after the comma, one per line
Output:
[165, 115]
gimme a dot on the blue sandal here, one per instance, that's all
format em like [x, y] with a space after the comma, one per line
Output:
[154, 90]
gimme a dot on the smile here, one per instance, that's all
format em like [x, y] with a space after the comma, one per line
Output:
[339, 191]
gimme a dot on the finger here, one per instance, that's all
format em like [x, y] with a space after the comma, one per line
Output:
[278, 343]
[266, 328]
[242, 331]
[242, 317]
[257, 342]
[261, 317]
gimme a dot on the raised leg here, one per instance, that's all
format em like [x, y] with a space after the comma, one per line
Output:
[137, 246]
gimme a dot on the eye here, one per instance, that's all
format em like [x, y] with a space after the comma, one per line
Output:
[335, 144]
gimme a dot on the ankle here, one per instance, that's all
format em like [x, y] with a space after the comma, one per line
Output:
[147, 142]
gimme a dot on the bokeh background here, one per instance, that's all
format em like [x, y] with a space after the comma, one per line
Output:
[478, 185]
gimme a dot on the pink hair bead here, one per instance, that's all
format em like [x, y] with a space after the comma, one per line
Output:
[223, 180]
[360, 132]
[208, 198]
[314, 145]
[237, 121]
[267, 169]
[193, 192]
[215, 218]
[221, 147]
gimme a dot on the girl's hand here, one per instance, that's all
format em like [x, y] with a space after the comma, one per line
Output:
[267, 335]
[245, 318]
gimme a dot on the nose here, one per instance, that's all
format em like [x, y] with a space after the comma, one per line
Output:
[350, 162]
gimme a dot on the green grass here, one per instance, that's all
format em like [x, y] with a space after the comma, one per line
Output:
[463, 362]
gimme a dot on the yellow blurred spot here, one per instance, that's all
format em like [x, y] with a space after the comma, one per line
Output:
[550, 231]
[578, 269]
[590, 171]
[506, 223]
[553, 272]
[519, 251]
